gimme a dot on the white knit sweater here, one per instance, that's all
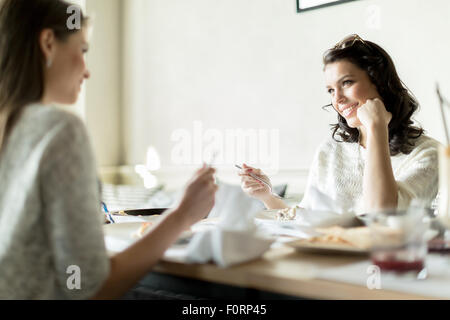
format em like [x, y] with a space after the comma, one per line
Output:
[337, 173]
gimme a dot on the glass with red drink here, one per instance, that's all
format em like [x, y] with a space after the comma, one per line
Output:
[398, 242]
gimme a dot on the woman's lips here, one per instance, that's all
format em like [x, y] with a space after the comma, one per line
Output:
[348, 111]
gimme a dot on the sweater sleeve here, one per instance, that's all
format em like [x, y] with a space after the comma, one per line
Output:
[306, 202]
[417, 177]
[70, 196]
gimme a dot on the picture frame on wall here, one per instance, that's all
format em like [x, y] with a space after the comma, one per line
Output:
[306, 5]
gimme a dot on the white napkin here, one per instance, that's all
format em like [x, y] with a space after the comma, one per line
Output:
[234, 240]
[320, 201]
[323, 211]
[226, 247]
[323, 219]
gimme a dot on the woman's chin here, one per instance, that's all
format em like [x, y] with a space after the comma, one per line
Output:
[353, 123]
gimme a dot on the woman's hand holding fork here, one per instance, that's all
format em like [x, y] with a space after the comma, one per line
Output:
[257, 185]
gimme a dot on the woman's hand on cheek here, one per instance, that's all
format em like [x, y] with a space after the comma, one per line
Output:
[373, 114]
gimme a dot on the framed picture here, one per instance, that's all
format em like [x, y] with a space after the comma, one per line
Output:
[305, 5]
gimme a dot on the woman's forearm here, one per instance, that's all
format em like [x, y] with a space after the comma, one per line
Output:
[274, 203]
[130, 265]
[380, 189]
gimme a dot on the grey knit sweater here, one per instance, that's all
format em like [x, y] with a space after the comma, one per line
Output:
[51, 241]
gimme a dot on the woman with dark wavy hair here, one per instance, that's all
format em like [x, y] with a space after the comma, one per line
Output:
[51, 237]
[376, 159]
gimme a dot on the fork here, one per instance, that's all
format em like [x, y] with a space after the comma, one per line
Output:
[214, 155]
[108, 214]
[261, 180]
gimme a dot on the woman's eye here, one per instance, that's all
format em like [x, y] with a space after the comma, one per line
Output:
[330, 91]
[347, 82]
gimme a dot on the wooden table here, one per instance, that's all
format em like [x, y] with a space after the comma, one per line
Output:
[284, 271]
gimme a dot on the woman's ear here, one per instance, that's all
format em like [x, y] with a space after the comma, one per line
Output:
[47, 42]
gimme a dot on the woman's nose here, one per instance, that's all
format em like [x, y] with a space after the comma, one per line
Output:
[339, 98]
[87, 74]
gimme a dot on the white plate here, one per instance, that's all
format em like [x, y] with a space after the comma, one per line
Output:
[310, 218]
[325, 248]
[336, 248]
[119, 236]
[129, 219]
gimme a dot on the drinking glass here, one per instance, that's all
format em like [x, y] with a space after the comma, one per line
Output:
[398, 241]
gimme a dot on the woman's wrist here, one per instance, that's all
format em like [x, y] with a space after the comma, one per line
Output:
[180, 216]
[271, 202]
[378, 133]
[377, 127]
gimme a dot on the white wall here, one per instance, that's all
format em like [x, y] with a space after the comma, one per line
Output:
[104, 89]
[255, 64]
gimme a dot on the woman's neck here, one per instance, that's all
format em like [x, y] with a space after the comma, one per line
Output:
[45, 101]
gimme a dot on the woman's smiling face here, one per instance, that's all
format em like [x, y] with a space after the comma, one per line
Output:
[350, 88]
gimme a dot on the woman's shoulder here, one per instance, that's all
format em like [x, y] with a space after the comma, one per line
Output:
[331, 145]
[43, 119]
[39, 126]
[426, 143]
[49, 115]
[331, 152]
[327, 144]
[425, 149]
[425, 140]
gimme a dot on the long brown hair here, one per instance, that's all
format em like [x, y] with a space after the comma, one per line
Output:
[396, 97]
[21, 59]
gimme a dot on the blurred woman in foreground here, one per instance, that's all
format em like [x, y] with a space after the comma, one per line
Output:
[50, 220]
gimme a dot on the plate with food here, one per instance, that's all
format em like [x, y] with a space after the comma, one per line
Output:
[336, 240]
[282, 215]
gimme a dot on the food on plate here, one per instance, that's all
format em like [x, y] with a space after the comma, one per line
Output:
[358, 237]
[144, 228]
[287, 214]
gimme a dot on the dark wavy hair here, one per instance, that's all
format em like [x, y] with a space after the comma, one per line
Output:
[396, 97]
[22, 62]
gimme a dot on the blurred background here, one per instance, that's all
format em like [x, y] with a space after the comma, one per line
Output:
[172, 80]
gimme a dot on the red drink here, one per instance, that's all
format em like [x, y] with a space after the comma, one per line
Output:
[400, 260]
[398, 242]
[399, 266]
